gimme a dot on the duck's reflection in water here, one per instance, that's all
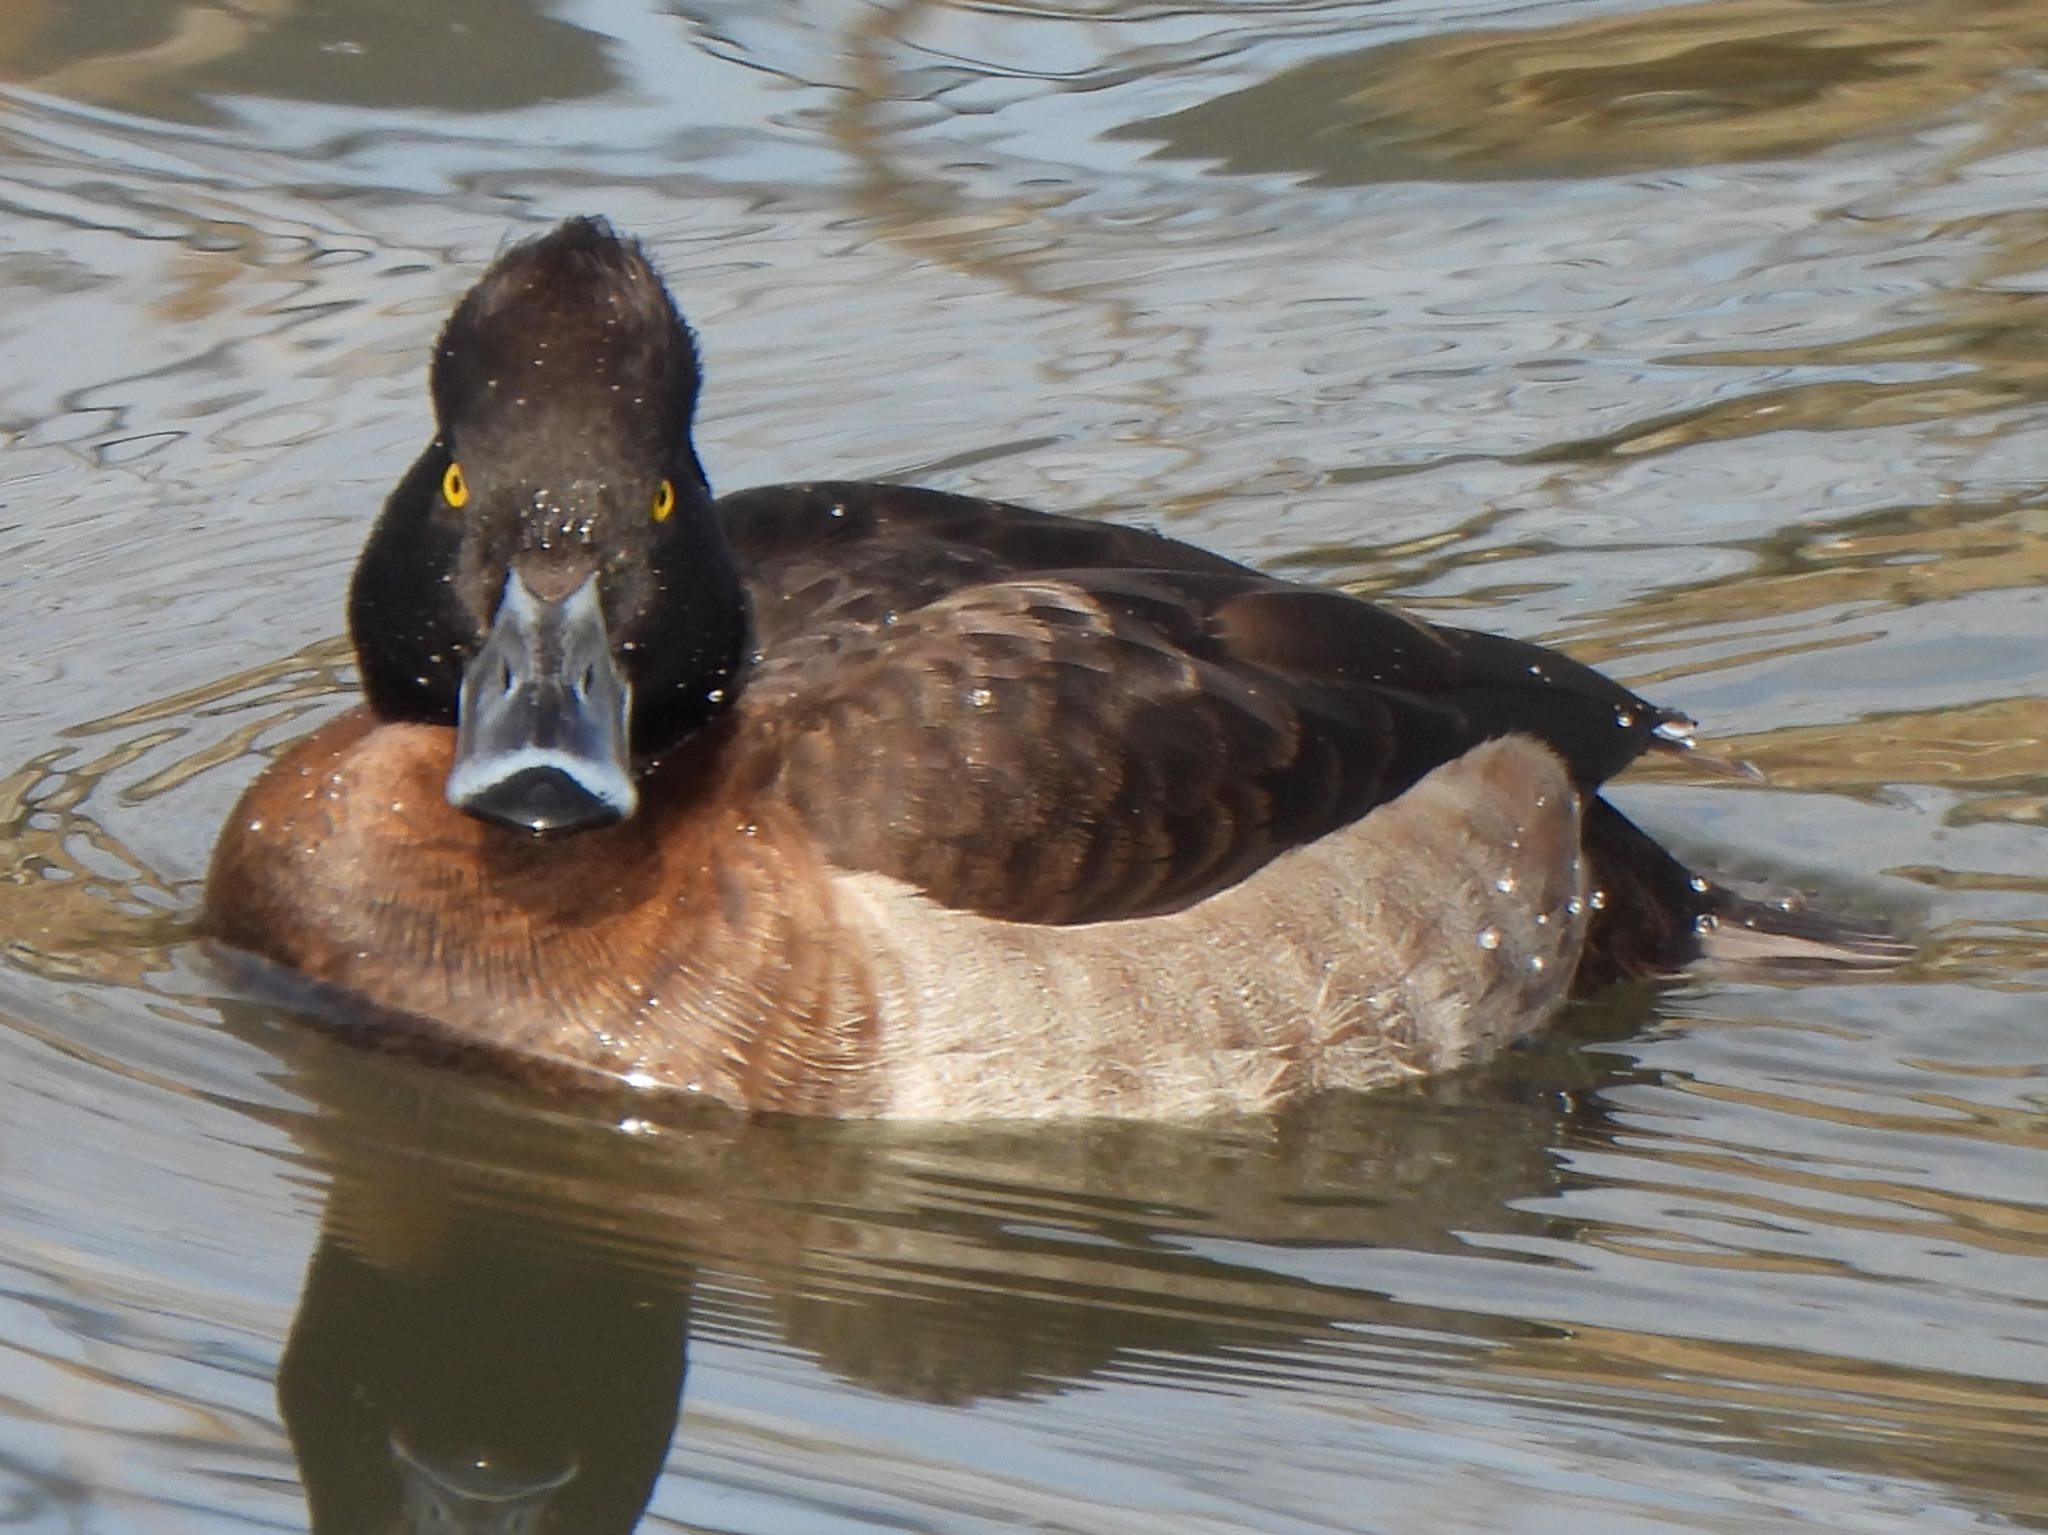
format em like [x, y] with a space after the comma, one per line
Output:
[479, 1383]
[493, 1330]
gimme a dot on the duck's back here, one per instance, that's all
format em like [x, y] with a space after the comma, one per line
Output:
[1053, 720]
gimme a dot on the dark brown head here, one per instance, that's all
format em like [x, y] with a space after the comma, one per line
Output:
[549, 576]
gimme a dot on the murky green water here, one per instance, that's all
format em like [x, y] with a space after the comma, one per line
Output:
[1707, 340]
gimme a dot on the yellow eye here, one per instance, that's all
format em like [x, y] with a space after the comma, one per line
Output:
[453, 486]
[664, 501]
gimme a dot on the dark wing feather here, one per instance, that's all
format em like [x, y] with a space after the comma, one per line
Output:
[1055, 720]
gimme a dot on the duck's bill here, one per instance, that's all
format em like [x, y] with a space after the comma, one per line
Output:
[541, 741]
[474, 1496]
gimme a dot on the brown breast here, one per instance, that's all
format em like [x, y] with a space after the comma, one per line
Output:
[344, 862]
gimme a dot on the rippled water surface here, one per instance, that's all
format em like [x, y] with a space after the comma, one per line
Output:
[1706, 340]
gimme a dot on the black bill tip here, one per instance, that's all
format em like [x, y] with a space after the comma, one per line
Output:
[543, 797]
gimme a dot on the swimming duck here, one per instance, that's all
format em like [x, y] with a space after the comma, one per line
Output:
[864, 800]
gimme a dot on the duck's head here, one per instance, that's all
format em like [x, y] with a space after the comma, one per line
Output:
[549, 576]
